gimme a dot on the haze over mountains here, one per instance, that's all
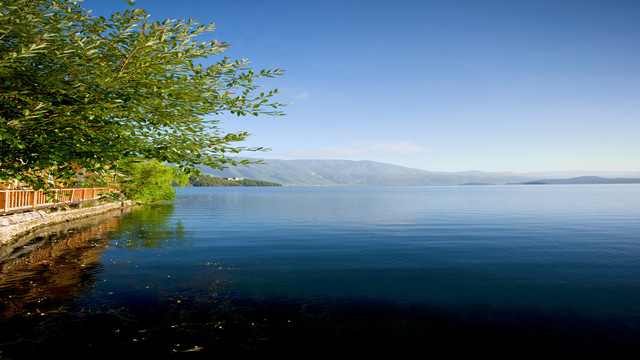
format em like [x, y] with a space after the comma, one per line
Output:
[371, 173]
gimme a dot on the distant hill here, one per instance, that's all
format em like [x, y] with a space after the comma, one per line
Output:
[583, 180]
[348, 172]
[371, 173]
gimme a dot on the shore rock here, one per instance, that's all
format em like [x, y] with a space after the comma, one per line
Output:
[15, 225]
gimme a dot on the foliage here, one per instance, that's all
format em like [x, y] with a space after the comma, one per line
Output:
[209, 180]
[250, 182]
[149, 180]
[85, 92]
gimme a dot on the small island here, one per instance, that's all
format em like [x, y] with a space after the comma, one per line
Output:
[210, 180]
[581, 180]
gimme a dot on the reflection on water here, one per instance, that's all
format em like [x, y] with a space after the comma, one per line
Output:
[149, 227]
[49, 267]
[49, 278]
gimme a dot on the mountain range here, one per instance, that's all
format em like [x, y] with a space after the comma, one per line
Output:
[371, 173]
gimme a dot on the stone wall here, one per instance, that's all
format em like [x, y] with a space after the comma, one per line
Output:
[14, 226]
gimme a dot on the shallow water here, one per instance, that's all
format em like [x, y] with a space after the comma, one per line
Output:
[306, 272]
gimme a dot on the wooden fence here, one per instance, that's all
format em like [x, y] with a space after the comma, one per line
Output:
[21, 200]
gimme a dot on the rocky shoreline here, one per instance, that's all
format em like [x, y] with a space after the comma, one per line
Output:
[14, 226]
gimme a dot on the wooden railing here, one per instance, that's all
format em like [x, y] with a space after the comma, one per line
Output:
[20, 200]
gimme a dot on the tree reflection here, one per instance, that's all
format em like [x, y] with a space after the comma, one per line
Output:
[49, 268]
[150, 226]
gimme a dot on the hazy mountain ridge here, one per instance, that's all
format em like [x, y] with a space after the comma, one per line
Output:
[347, 172]
[371, 173]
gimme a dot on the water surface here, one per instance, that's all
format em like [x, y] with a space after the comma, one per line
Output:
[321, 271]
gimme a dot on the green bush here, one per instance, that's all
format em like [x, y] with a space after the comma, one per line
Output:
[148, 180]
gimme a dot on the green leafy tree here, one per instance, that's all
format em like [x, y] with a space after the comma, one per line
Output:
[146, 181]
[84, 92]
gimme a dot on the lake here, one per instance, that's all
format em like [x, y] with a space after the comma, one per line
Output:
[317, 272]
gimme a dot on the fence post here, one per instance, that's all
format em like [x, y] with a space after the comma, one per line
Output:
[6, 200]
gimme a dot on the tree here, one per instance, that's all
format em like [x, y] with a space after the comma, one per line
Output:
[85, 92]
[149, 180]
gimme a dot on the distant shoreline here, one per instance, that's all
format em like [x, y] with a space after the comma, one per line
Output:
[581, 180]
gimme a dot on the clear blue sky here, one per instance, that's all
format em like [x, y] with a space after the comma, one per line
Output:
[439, 85]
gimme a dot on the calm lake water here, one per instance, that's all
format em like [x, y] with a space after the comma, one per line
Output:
[317, 272]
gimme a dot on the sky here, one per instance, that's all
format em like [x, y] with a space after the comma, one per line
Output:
[440, 85]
